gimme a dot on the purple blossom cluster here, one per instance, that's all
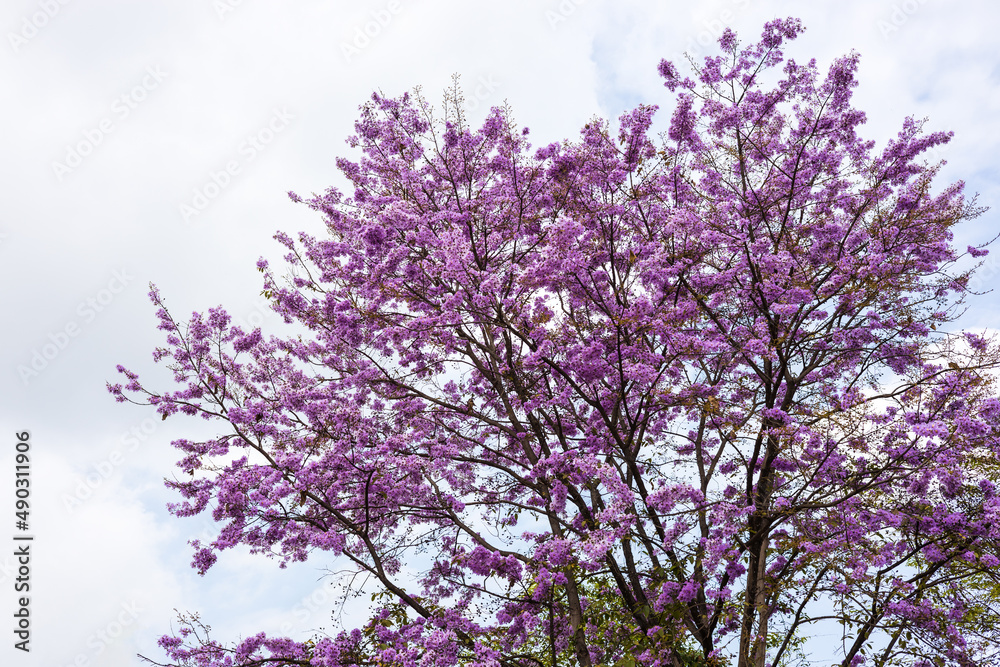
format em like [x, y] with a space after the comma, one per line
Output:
[622, 400]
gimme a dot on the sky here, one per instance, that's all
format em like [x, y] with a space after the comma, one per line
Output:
[155, 142]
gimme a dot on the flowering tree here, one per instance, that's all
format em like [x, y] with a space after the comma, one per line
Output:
[617, 401]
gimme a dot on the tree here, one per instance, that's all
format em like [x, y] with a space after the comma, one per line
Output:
[622, 400]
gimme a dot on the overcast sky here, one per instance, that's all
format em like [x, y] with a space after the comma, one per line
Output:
[119, 112]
